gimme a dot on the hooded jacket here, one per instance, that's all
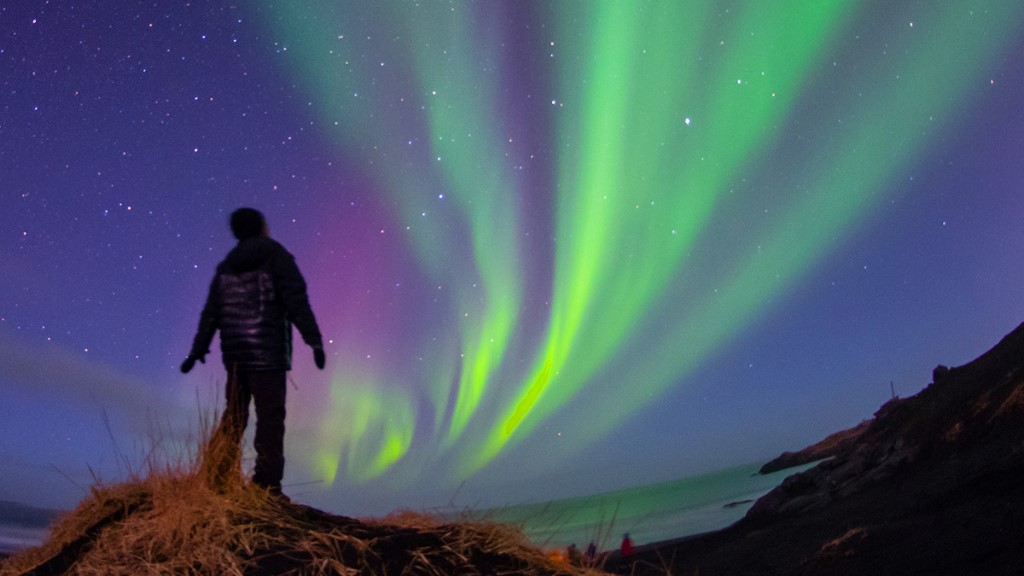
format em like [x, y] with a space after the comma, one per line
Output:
[255, 297]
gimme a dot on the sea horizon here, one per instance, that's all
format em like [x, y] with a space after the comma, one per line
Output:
[651, 513]
[23, 526]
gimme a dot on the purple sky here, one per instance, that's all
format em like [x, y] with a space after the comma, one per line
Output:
[555, 248]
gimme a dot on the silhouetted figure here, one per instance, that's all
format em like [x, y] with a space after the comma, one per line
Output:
[591, 553]
[574, 554]
[626, 550]
[255, 297]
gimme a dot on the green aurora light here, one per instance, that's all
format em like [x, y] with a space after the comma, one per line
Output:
[661, 111]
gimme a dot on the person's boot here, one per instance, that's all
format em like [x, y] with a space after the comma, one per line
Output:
[274, 490]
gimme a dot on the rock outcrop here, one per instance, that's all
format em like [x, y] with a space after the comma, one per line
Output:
[934, 484]
[834, 445]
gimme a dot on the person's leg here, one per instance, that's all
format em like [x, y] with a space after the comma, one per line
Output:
[238, 394]
[224, 454]
[268, 389]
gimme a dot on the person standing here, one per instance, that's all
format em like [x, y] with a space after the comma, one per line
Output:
[256, 295]
[626, 550]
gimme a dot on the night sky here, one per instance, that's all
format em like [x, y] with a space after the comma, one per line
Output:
[554, 248]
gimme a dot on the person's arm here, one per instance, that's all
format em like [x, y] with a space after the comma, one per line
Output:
[209, 320]
[292, 287]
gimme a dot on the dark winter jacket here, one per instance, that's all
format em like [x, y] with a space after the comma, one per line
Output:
[255, 297]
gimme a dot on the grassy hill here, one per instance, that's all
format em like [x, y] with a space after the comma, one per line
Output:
[179, 521]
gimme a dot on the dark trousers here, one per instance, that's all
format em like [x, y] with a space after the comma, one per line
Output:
[266, 388]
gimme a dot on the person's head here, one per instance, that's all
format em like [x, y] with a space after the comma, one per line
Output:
[248, 223]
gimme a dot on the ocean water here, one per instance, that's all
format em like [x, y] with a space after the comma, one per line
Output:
[653, 513]
[15, 538]
[23, 526]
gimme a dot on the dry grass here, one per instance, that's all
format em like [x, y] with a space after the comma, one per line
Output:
[192, 518]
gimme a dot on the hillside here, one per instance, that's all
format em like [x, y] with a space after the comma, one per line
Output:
[173, 522]
[931, 485]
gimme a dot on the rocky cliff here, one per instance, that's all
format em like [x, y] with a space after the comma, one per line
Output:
[933, 484]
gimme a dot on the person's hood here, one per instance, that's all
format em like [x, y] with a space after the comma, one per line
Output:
[248, 255]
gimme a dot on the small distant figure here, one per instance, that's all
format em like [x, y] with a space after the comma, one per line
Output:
[256, 295]
[591, 553]
[574, 554]
[626, 549]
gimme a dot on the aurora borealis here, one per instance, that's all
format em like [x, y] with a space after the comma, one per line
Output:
[555, 248]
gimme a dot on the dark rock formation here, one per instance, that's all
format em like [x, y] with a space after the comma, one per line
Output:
[934, 484]
[833, 445]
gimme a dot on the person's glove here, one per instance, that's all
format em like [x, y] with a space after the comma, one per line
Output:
[190, 361]
[318, 358]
